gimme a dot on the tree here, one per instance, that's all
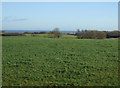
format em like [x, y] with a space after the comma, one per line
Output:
[56, 33]
[78, 34]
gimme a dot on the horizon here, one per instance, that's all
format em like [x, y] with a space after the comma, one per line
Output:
[69, 16]
[21, 31]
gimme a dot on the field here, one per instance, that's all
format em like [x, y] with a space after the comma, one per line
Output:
[63, 36]
[35, 61]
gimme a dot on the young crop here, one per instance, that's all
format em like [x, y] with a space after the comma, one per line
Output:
[34, 61]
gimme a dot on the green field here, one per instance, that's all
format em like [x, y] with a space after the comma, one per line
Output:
[35, 61]
[63, 36]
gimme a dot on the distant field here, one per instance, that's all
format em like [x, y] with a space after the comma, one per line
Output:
[47, 35]
[35, 61]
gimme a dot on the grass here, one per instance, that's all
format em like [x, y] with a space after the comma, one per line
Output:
[63, 36]
[35, 61]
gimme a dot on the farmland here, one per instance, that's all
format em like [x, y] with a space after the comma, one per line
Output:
[35, 61]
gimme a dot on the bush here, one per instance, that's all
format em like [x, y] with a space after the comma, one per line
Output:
[90, 34]
[113, 34]
[55, 33]
[12, 34]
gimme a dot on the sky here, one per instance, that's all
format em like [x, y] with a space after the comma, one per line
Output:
[67, 16]
[60, 0]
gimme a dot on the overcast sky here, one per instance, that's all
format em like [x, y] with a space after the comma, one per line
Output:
[64, 15]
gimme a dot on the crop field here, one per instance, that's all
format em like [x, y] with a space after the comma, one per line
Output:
[34, 61]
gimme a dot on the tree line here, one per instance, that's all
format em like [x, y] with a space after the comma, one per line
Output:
[80, 34]
[89, 34]
[94, 34]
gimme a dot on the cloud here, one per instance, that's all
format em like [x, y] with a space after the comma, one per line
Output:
[7, 18]
[11, 19]
[22, 19]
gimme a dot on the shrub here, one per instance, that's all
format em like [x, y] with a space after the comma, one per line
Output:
[55, 33]
[90, 34]
[12, 34]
